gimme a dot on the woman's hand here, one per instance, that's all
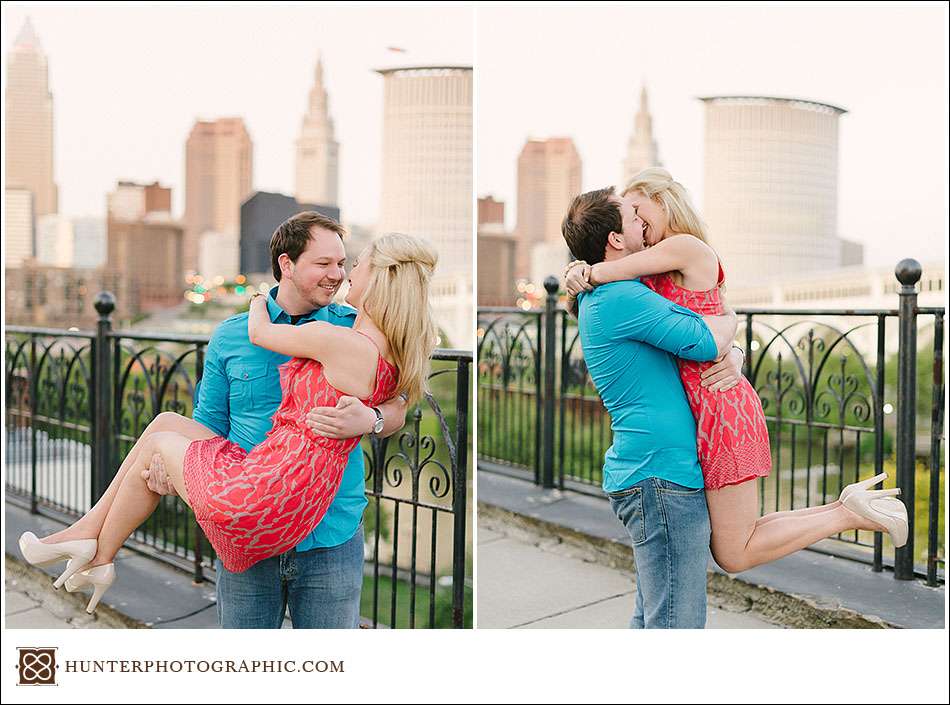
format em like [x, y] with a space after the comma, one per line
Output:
[257, 316]
[258, 301]
[577, 278]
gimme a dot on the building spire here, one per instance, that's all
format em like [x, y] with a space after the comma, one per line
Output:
[642, 151]
[27, 38]
[317, 148]
[318, 77]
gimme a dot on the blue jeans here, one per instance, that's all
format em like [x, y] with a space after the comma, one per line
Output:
[669, 525]
[321, 586]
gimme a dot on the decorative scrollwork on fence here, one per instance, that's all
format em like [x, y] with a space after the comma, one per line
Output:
[509, 381]
[507, 354]
[150, 380]
[815, 375]
[49, 389]
[415, 457]
[17, 383]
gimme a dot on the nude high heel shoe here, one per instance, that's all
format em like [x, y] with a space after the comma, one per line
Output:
[863, 485]
[37, 553]
[883, 508]
[101, 578]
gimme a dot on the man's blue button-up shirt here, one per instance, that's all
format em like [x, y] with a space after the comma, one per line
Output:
[240, 391]
[630, 336]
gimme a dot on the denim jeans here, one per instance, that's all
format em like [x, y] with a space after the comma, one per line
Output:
[669, 526]
[320, 586]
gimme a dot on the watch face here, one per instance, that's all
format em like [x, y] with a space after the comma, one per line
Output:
[379, 425]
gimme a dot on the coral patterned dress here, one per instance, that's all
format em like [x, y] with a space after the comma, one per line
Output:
[257, 504]
[732, 438]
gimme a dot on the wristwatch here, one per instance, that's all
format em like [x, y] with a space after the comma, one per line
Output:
[379, 423]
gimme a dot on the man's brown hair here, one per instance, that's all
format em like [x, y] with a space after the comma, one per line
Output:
[591, 217]
[293, 235]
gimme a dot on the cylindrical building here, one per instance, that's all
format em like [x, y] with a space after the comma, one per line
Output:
[771, 185]
[427, 159]
[427, 180]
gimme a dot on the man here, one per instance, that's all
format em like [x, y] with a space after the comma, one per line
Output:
[320, 580]
[652, 476]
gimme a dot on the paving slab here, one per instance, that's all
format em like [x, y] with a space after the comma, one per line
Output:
[36, 618]
[487, 536]
[519, 583]
[17, 602]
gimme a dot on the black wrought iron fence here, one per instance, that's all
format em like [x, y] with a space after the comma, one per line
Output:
[842, 402]
[77, 401]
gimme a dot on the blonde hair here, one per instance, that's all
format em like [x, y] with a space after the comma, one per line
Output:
[657, 184]
[397, 301]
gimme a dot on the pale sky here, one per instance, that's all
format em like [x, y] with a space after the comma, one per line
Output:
[576, 71]
[128, 83]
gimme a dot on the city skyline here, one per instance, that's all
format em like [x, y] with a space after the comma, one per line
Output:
[896, 122]
[92, 154]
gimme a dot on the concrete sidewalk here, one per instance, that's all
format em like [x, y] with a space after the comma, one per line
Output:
[525, 584]
[31, 603]
[806, 589]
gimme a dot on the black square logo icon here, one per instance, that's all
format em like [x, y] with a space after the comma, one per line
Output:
[37, 666]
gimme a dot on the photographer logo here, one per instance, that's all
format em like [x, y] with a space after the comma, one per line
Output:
[37, 666]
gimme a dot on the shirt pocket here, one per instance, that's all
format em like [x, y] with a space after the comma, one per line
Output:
[253, 385]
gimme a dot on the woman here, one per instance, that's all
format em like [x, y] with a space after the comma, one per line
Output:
[732, 438]
[253, 505]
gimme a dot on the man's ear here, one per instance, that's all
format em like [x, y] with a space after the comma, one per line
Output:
[286, 264]
[615, 240]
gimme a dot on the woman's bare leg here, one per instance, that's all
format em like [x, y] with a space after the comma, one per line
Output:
[134, 502]
[741, 540]
[798, 512]
[89, 525]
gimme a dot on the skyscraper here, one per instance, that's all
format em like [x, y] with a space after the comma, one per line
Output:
[218, 178]
[549, 176]
[427, 179]
[29, 122]
[317, 150]
[771, 185]
[427, 159]
[641, 147]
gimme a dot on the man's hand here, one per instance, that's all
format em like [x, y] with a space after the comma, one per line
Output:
[157, 478]
[348, 419]
[726, 373]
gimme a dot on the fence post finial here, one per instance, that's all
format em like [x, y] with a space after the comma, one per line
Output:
[104, 304]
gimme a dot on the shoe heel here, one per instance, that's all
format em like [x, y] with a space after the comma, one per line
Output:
[97, 593]
[893, 492]
[72, 567]
[861, 486]
[869, 483]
